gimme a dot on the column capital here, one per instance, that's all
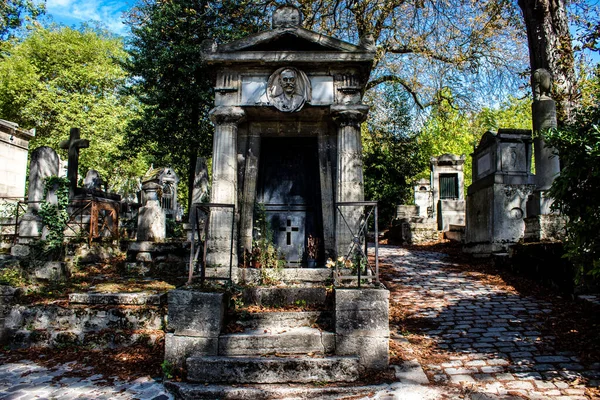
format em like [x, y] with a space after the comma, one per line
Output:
[347, 115]
[222, 115]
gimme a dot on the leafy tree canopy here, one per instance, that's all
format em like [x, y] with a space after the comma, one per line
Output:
[13, 13]
[450, 130]
[477, 49]
[391, 156]
[58, 78]
[172, 84]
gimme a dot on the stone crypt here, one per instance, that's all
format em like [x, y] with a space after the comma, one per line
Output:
[287, 134]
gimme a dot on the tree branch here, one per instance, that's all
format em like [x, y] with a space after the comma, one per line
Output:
[415, 49]
[396, 79]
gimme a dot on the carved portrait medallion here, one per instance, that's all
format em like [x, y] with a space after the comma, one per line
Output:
[288, 89]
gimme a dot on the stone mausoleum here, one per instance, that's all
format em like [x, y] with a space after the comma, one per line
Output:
[287, 136]
[288, 110]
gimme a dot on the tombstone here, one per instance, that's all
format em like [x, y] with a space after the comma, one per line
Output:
[287, 116]
[167, 180]
[93, 180]
[497, 198]
[423, 198]
[14, 146]
[44, 163]
[152, 224]
[541, 222]
[199, 190]
[447, 190]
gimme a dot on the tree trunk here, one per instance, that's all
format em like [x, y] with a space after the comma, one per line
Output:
[550, 47]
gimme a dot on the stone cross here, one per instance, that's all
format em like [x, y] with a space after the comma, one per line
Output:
[73, 145]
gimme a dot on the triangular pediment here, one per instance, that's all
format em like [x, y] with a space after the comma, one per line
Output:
[289, 39]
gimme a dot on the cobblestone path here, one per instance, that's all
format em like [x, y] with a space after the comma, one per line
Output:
[25, 380]
[490, 334]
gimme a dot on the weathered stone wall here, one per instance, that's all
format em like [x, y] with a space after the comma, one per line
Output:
[103, 324]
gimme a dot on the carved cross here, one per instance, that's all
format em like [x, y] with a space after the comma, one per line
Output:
[288, 229]
[73, 145]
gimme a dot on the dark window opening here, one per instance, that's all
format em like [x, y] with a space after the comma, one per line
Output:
[448, 186]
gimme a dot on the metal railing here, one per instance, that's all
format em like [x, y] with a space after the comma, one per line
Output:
[101, 218]
[201, 213]
[9, 219]
[356, 253]
[89, 217]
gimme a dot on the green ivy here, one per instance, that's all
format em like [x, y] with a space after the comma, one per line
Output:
[55, 216]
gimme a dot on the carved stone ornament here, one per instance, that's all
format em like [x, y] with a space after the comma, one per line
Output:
[542, 84]
[288, 89]
[286, 16]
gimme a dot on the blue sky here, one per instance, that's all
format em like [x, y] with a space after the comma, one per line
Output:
[74, 12]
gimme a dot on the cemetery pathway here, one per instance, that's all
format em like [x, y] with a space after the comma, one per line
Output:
[26, 380]
[472, 330]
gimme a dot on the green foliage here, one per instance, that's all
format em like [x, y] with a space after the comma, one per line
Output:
[58, 78]
[11, 276]
[14, 12]
[575, 190]
[391, 156]
[174, 228]
[264, 253]
[167, 369]
[173, 84]
[55, 216]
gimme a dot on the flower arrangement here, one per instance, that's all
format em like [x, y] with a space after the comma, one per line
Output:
[312, 247]
[340, 263]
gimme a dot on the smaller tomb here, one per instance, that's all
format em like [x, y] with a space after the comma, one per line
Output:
[167, 181]
[447, 190]
[497, 199]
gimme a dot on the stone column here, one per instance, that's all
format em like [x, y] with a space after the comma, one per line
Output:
[350, 184]
[541, 223]
[547, 163]
[44, 163]
[224, 185]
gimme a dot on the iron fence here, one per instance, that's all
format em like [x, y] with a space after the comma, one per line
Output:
[352, 221]
[88, 218]
[11, 211]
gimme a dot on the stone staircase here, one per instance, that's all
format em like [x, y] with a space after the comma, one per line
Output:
[283, 334]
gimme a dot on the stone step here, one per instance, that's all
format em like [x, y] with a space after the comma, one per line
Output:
[285, 341]
[282, 320]
[272, 369]
[299, 276]
[287, 296]
[195, 391]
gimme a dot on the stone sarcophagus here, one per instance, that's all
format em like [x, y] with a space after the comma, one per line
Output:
[287, 116]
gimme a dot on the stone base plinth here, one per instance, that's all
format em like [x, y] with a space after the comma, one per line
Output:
[545, 228]
[362, 326]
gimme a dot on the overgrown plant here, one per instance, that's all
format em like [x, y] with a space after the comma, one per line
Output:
[575, 190]
[264, 253]
[55, 216]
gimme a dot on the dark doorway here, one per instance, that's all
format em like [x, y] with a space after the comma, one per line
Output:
[288, 186]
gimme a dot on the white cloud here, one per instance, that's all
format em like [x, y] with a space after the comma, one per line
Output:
[108, 12]
[56, 4]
